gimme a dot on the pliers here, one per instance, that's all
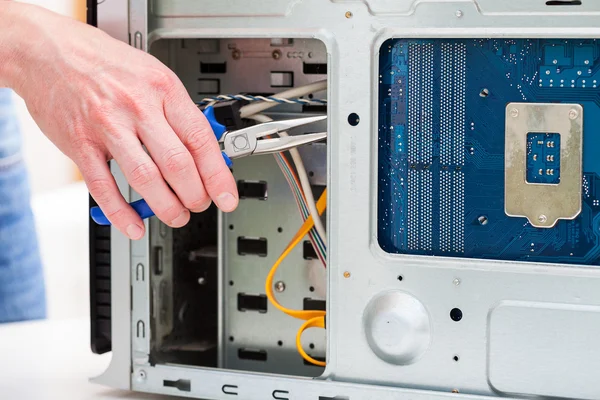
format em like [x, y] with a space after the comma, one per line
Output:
[236, 144]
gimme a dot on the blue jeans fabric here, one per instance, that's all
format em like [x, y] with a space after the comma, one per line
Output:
[22, 289]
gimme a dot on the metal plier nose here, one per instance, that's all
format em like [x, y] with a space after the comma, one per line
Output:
[239, 143]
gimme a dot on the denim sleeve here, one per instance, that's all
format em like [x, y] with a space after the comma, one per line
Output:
[22, 290]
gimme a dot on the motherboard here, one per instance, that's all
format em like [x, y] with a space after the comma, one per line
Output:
[442, 163]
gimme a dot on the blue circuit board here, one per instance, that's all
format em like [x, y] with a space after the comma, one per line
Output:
[441, 146]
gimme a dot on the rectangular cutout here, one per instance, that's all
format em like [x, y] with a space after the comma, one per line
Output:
[282, 79]
[254, 355]
[252, 246]
[313, 304]
[158, 260]
[252, 189]
[208, 86]
[308, 251]
[543, 158]
[282, 42]
[314, 108]
[564, 3]
[247, 302]
[183, 385]
[213, 68]
[314, 69]
[334, 398]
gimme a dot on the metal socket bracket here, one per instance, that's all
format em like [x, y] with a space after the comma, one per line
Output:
[543, 204]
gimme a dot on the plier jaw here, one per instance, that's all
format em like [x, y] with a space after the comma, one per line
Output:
[244, 142]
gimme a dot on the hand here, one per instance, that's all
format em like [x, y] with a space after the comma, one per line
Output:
[99, 99]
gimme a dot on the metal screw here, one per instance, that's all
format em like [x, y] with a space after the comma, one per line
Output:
[459, 14]
[348, 14]
[454, 390]
[279, 286]
[573, 114]
[346, 274]
[456, 281]
[542, 218]
[142, 375]
[276, 54]
[514, 113]
[201, 280]
[236, 54]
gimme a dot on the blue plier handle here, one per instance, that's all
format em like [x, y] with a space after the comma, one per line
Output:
[140, 206]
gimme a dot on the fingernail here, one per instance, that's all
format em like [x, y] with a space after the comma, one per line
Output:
[134, 232]
[181, 220]
[226, 202]
[202, 208]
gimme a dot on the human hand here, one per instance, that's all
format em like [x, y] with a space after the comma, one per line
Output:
[98, 99]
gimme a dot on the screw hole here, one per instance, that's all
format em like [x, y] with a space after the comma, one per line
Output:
[231, 227]
[456, 358]
[310, 96]
[456, 314]
[312, 289]
[400, 278]
[483, 220]
[230, 283]
[280, 229]
[231, 338]
[280, 343]
[353, 119]
[311, 174]
[312, 346]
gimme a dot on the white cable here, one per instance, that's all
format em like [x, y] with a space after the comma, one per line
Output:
[306, 188]
[255, 108]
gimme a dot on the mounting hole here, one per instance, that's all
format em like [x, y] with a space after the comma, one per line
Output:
[231, 227]
[482, 219]
[230, 283]
[312, 346]
[353, 119]
[312, 289]
[484, 92]
[231, 338]
[280, 343]
[280, 229]
[310, 96]
[456, 358]
[400, 278]
[311, 174]
[456, 314]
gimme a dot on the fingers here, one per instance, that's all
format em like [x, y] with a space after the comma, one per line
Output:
[175, 163]
[105, 192]
[193, 129]
[145, 178]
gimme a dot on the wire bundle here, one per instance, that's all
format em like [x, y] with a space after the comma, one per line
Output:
[270, 99]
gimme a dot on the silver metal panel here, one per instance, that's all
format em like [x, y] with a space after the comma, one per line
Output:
[358, 270]
[247, 273]
[113, 18]
[261, 56]
[536, 347]
[117, 374]
[543, 204]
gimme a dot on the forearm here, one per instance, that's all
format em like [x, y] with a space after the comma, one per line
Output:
[18, 34]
